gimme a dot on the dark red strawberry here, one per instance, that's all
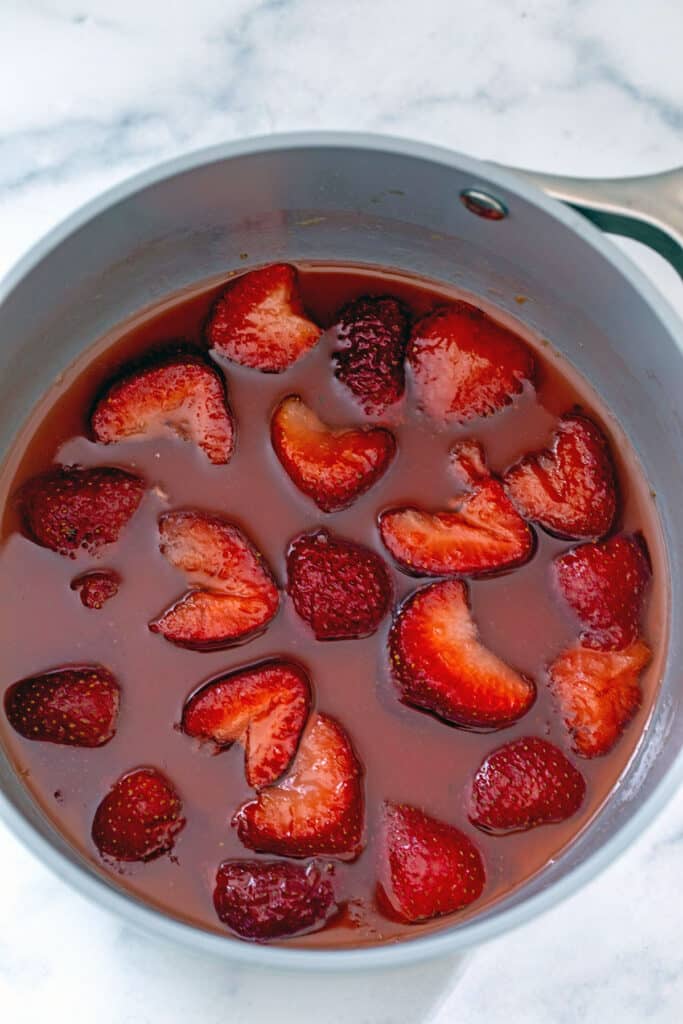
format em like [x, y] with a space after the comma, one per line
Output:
[263, 707]
[69, 508]
[96, 588]
[260, 321]
[527, 782]
[139, 817]
[76, 707]
[341, 589]
[315, 810]
[235, 595]
[440, 664]
[465, 364]
[569, 488]
[427, 868]
[263, 900]
[373, 333]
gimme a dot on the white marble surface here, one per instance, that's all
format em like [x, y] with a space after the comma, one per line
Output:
[92, 91]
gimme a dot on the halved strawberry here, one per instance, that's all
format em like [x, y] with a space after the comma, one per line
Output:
[236, 596]
[527, 782]
[139, 817]
[427, 867]
[374, 334]
[96, 588]
[341, 589]
[68, 507]
[76, 707]
[177, 394]
[570, 488]
[465, 364]
[317, 808]
[263, 707]
[260, 321]
[440, 664]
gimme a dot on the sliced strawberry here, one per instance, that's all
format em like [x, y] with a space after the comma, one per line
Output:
[598, 693]
[260, 321]
[427, 867]
[139, 817]
[236, 595]
[569, 488]
[604, 584]
[440, 664]
[317, 808]
[263, 900]
[527, 782]
[96, 588]
[179, 394]
[373, 333]
[264, 707]
[68, 508]
[332, 466]
[341, 589]
[465, 364]
[76, 707]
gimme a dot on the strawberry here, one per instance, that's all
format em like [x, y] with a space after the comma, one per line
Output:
[317, 809]
[341, 589]
[96, 588]
[178, 394]
[440, 664]
[598, 693]
[570, 488]
[264, 707]
[465, 364]
[235, 596]
[67, 508]
[263, 900]
[373, 333]
[260, 321]
[75, 707]
[604, 584]
[527, 782]
[331, 466]
[139, 817]
[427, 867]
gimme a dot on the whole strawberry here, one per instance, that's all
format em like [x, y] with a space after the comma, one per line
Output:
[76, 707]
[373, 333]
[139, 817]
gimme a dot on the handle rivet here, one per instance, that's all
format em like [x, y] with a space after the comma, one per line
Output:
[483, 204]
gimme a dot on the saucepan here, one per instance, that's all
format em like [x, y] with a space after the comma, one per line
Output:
[364, 199]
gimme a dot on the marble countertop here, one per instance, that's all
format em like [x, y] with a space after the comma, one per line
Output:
[92, 91]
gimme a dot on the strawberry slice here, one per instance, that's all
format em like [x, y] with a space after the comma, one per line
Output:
[570, 488]
[236, 596]
[598, 693]
[373, 333]
[440, 664]
[604, 585]
[68, 508]
[341, 589]
[332, 466]
[96, 588]
[527, 782]
[465, 364]
[427, 867]
[317, 808]
[178, 394]
[263, 707]
[75, 707]
[260, 321]
[139, 817]
[261, 900]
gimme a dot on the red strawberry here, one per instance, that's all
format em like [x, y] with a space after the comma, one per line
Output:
[341, 589]
[139, 817]
[179, 394]
[96, 588]
[374, 335]
[465, 364]
[76, 707]
[427, 867]
[570, 488]
[236, 595]
[263, 900]
[317, 808]
[264, 707]
[260, 321]
[68, 508]
[440, 664]
[527, 782]
[604, 585]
